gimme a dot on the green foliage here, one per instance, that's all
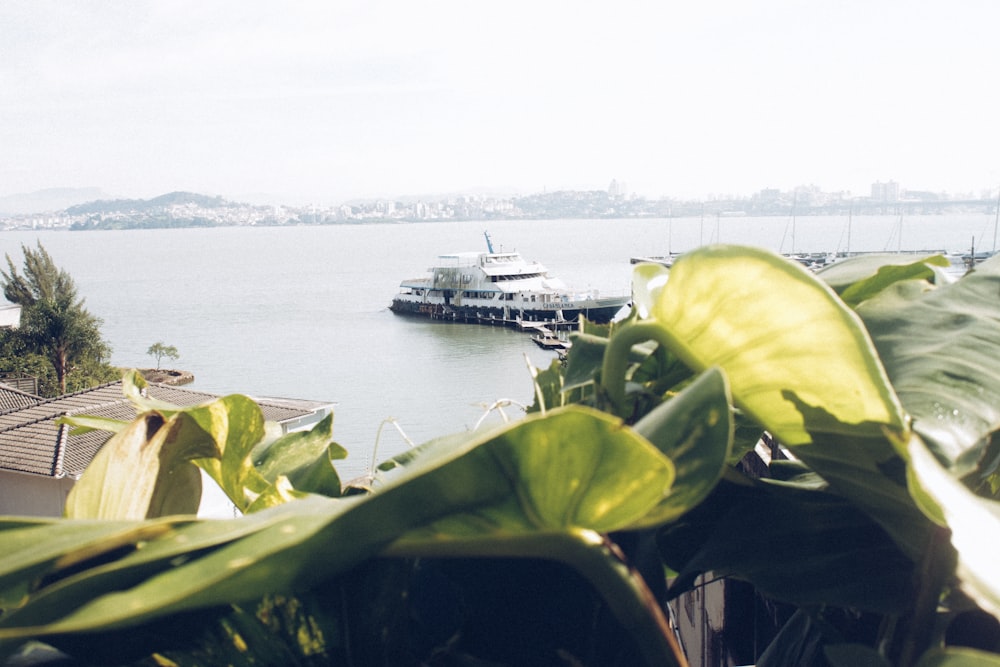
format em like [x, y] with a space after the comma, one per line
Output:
[15, 358]
[752, 314]
[55, 324]
[159, 350]
[878, 386]
[42, 279]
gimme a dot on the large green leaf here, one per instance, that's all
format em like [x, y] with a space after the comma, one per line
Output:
[84, 575]
[648, 281]
[577, 468]
[85, 423]
[859, 278]
[548, 384]
[583, 361]
[695, 431]
[582, 472]
[236, 424]
[854, 655]
[545, 485]
[35, 549]
[144, 471]
[304, 457]
[936, 346]
[134, 386]
[869, 475]
[782, 337]
[795, 544]
[973, 521]
[958, 657]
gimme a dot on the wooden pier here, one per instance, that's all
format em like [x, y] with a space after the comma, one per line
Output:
[445, 314]
[545, 333]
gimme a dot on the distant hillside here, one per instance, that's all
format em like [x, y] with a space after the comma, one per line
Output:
[147, 205]
[50, 199]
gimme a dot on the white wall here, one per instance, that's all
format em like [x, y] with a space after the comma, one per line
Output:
[10, 315]
[32, 495]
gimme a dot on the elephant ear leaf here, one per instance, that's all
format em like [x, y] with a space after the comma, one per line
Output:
[695, 431]
[783, 338]
[932, 342]
[143, 471]
[572, 469]
[304, 457]
[859, 278]
[968, 517]
[150, 468]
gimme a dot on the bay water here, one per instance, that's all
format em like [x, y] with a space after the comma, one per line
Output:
[302, 312]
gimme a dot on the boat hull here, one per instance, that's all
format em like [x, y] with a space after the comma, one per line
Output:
[600, 312]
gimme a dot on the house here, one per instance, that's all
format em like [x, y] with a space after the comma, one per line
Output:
[40, 461]
[10, 316]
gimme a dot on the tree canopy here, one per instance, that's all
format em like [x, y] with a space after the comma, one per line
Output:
[55, 325]
[160, 350]
[42, 280]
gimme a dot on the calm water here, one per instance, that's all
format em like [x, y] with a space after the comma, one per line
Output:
[302, 312]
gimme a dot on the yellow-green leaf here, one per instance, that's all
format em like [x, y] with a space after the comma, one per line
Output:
[784, 339]
[144, 471]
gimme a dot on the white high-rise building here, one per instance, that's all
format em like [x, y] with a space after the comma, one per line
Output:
[885, 191]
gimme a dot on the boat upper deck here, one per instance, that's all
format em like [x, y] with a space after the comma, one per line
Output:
[491, 263]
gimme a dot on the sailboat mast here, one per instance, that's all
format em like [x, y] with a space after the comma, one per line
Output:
[670, 230]
[850, 216]
[701, 228]
[795, 198]
[996, 221]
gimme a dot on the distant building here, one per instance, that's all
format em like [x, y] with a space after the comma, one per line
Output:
[885, 192]
[769, 196]
[617, 189]
[924, 195]
[10, 316]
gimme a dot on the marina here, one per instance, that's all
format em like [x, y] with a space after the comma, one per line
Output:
[817, 260]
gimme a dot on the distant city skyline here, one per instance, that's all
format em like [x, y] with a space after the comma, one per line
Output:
[331, 102]
[87, 209]
[805, 196]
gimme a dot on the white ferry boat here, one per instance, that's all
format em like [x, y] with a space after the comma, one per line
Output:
[499, 288]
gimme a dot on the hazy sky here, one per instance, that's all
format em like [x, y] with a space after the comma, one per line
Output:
[334, 100]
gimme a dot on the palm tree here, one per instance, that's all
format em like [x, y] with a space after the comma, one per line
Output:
[54, 321]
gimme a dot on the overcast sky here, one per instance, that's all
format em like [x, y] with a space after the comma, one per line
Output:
[329, 101]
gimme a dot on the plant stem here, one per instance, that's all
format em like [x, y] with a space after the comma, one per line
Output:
[935, 569]
[616, 356]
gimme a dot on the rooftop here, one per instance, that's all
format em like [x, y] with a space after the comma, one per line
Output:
[32, 442]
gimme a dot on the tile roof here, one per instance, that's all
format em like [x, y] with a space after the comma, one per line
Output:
[12, 398]
[32, 442]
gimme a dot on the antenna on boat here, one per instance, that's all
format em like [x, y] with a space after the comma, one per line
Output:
[489, 242]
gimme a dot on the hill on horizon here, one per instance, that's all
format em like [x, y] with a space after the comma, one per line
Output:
[162, 201]
[48, 200]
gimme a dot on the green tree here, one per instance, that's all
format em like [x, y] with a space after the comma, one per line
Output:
[159, 350]
[54, 322]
